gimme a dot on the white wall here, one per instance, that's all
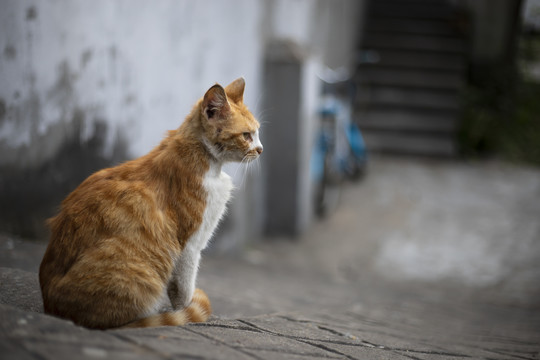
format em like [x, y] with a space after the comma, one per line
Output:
[138, 66]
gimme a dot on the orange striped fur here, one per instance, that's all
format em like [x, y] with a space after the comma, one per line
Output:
[128, 240]
[198, 311]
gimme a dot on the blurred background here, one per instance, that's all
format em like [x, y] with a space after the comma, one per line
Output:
[411, 99]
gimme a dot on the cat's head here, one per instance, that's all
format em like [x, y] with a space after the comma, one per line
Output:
[230, 131]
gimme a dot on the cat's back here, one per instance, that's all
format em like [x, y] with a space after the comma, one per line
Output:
[111, 203]
[107, 196]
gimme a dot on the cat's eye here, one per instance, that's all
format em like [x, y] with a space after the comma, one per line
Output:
[247, 136]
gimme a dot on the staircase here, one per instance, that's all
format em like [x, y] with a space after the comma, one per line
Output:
[411, 68]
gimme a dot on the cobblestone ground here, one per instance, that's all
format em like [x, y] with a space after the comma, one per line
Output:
[373, 281]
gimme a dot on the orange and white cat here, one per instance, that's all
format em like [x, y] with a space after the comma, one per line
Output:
[130, 237]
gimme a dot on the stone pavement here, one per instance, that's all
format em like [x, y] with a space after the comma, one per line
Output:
[422, 260]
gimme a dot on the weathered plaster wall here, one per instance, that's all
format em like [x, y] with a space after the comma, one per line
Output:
[136, 66]
[86, 84]
[107, 79]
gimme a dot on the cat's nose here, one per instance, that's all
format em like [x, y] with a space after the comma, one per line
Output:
[259, 149]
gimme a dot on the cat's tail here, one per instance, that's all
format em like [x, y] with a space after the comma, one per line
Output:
[198, 310]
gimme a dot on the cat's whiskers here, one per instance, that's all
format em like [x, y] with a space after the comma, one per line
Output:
[247, 163]
[258, 166]
[241, 167]
[261, 117]
[244, 165]
[238, 168]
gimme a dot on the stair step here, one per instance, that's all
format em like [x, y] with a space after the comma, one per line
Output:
[410, 70]
[424, 121]
[412, 9]
[408, 98]
[411, 26]
[409, 78]
[452, 45]
[412, 60]
[405, 143]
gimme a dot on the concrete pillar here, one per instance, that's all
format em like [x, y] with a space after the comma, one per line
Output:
[284, 207]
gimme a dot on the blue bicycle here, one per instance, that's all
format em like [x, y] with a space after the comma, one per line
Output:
[340, 151]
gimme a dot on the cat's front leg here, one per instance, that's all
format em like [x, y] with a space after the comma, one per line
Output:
[182, 283]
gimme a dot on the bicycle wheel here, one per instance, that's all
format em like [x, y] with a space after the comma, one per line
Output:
[329, 188]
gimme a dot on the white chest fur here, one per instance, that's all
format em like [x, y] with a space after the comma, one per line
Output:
[218, 186]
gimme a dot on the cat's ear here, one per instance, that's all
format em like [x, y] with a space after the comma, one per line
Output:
[235, 90]
[215, 102]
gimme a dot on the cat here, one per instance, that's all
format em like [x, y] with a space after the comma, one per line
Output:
[130, 237]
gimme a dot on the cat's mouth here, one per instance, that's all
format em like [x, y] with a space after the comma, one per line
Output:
[251, 156]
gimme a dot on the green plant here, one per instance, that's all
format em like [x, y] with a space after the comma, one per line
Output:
[501, 115]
